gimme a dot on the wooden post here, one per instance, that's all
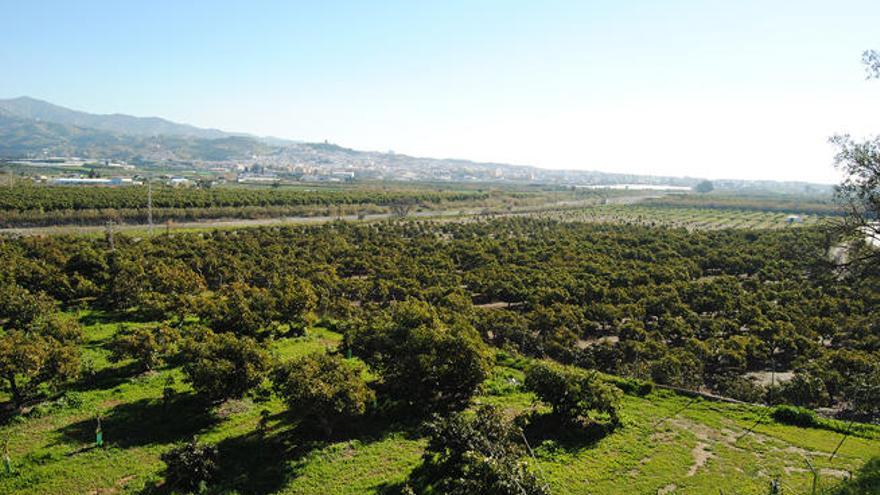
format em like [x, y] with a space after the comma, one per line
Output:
[7, 461]
[99, 434]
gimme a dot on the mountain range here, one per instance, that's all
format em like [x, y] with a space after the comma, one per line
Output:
[35, 128]
[32, 128]
[41, 111]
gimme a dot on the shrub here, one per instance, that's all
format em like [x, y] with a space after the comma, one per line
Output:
[804, 390]
[795, 416]
[191, 466]
[633, 386]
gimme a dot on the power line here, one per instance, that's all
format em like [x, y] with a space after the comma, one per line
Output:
[751, 428]
[535, 459]
[676, 413]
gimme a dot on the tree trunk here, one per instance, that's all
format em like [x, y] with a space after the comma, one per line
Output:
[16, 393]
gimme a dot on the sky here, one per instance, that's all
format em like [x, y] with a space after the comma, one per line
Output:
[718, 89]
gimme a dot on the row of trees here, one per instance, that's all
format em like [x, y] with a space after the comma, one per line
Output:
[22, 196]
[806, 204]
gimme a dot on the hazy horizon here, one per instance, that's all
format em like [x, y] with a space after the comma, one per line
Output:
[745, 91]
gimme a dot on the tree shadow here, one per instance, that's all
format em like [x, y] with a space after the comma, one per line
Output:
[391, 488]
[251, 464]
[260, 463]
[255, 464]
[103, 317]
[547, 427]
[107, 378]
[145, 422]
[367, 428]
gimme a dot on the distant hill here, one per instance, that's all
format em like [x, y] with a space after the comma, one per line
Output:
[34, 109]
[24, 137]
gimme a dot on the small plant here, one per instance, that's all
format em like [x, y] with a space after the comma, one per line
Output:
[795, 416]
[191, 466]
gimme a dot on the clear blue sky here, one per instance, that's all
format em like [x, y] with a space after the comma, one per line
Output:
[747, 89]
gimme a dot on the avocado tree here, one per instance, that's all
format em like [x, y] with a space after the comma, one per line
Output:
[191, 466]
[224, 366]
[38, 345]
[296, 303]
[423, 360]
[242, 309]
[28, 359]
[149, 346]
[323, 389]
[577, 396]
[475, 453]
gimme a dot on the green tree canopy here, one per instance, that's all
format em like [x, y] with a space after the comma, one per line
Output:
[577, 396]
[475, 453]
[148, 345]
[422, 359]
[28, 359]
[224, 366]
[323, 389]
[704, 187]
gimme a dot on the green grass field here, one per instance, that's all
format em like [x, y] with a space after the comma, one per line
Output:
[668, 443]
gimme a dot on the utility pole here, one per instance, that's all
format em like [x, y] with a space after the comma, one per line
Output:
[109, 231]
[150, 206]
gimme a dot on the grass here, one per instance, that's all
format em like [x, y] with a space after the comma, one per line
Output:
[662, 445]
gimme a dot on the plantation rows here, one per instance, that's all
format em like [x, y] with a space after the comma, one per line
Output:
[22, 197]
[768, 203]
[438, 333]
[682, 217]
[695, 308]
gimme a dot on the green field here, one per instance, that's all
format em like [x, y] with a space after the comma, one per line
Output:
[668, 443]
